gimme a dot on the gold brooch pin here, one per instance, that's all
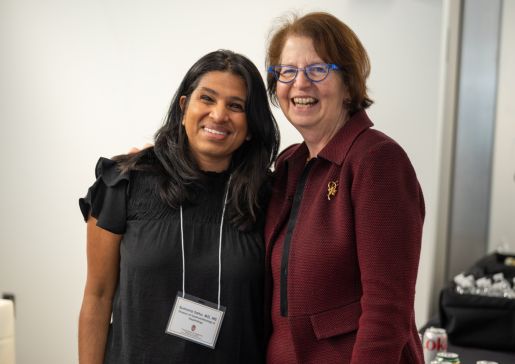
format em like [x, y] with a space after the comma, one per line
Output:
[332, 188]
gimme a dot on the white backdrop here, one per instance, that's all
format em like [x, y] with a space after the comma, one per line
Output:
[83, 78]
[502, 209]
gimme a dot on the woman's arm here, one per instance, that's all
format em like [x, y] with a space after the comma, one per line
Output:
[103, 253]
[389, 214]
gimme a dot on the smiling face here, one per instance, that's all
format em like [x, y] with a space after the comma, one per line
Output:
[311, 106]
[215, 119]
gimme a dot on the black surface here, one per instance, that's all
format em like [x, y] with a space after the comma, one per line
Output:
[472, 355]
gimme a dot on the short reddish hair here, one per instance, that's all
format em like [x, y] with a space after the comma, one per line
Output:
[335, 43]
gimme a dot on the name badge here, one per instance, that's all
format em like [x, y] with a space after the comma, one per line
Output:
[195, 320]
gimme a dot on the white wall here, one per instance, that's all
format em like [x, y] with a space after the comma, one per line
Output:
[502, 210]
[83, 78]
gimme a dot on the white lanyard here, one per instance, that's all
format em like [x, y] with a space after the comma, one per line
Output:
[219, 247]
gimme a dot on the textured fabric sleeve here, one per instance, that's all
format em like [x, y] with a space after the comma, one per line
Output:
[106, 199]
[389, 214]
[285, 154]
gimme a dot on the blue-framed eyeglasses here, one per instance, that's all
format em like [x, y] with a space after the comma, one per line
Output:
[314, 72]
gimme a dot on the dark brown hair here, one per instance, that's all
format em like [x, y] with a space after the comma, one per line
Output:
[250, 163]
[335, 43]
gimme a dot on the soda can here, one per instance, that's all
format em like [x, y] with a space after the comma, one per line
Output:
[450, 358]
[434, 341]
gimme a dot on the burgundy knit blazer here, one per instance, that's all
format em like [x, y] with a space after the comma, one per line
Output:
[353, 257]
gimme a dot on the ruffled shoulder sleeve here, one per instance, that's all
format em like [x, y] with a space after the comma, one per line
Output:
[106, 199]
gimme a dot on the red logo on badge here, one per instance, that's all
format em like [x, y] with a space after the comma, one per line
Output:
[193, 327]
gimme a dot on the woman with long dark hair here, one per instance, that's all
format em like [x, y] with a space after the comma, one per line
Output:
[175, 249]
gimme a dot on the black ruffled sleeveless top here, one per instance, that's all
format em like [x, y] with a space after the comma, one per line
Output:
[151, 270]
